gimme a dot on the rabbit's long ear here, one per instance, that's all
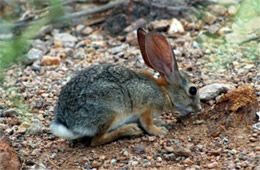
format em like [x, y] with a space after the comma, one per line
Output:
[141, 34]
[161, 56]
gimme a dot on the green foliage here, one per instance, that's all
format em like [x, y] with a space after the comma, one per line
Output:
[16, 101]
[13, 50]
[241, 45]
[249, 9]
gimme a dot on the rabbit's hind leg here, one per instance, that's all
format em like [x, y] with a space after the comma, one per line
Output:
[146, 120]
[103, 137]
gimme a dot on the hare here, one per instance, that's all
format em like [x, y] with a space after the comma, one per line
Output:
[109, 101]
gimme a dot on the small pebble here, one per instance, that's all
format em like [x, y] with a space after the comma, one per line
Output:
[125, 152]
[133, 163]
[53, 155]
[225, 140]
[10, 113]
[95, 164]
[113, 162]
[212, 165]
[147, 164]
[139, 149]
[198, 122]
[159, 159]
[151, 138]
[252, 139]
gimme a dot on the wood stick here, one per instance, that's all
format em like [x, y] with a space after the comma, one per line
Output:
[86, 12]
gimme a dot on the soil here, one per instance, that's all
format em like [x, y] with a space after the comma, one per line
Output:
[32, 91]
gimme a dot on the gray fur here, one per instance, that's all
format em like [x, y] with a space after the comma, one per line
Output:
[105, 97]
[89, 100]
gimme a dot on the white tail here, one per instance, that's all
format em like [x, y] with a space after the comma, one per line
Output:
[62, 131]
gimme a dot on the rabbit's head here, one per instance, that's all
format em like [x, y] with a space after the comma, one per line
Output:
[158, 55]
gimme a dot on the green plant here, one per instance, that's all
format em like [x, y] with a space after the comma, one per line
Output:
[13, 50]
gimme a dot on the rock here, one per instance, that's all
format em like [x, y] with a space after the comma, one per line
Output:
[95, 36]
[12, 121]
[79, 28]
[65, 39]
[8, 158]
[49, 60]
[139, 149]
[147, 164]
[113, 162]
[9, 131]
[102, 157]
[131, 38]
[84, 30]
[169, 149]
[87, 31]
[151, 138]
[159, 159]
[80, 54]
[135, 25]
[209, 18]
[212, 165]
[217, 9]
[10, 113]
[235, 109]
[224, 30]
[118, 49]
[188, 162]
[32, 56]
[200, 147]
[36, 127]
[232, 10]
[252, 139]
[38, 166]
[178, 150]
[256, 126]
[198, 122]
[175, 27]
[44, 30]
[96, 164]
[133, 163]
[159, 25]
[213, 29]
[169, 157]
[211, 91]
[36, 66]
[53, 155]
[23, 127]
[125, 152]
[40, 45]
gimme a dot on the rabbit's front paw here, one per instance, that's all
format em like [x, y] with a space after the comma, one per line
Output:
[159, 122]
[163, 131]
[134, 130]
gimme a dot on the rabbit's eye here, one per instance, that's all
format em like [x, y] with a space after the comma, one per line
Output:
[193, 90]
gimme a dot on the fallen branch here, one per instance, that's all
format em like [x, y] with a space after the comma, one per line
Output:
[86, 12]
[82, 13]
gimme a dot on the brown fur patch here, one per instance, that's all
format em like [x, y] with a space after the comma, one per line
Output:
[146, 121]
[104, 136]
[161, 81]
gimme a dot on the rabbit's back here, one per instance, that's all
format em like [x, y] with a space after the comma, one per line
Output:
[89, 100]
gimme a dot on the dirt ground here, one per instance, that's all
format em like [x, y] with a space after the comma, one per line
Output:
[31, 90]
